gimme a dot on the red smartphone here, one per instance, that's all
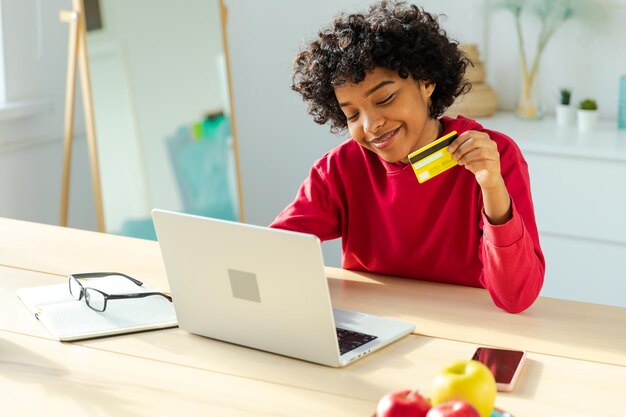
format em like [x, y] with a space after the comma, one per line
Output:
[505, 365]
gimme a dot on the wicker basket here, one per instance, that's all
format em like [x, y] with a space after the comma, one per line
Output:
[470, 50]
[481, 100]
[475, 74]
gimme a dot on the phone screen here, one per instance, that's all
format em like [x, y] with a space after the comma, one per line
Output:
[503, 363]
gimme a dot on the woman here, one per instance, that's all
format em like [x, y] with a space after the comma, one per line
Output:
[387, 76]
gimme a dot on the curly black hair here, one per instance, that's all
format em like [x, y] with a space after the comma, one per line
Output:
[392, 35]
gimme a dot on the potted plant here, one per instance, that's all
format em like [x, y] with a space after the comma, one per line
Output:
[564, 110]
[587, 114]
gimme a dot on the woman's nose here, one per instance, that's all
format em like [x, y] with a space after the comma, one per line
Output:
[372, 123]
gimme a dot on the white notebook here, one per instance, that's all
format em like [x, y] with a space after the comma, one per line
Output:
[68, 319]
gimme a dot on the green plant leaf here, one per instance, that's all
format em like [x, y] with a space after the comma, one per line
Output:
[588, 104]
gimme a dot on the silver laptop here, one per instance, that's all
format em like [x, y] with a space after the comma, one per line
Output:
[262, 288]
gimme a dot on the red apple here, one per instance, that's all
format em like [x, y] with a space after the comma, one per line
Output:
[454, 408]
[404, 403]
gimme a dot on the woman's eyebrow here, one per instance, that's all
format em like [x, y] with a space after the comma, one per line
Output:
[371, 90]
[377, 86]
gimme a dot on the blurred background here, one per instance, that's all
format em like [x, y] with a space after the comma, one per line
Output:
[166, 128]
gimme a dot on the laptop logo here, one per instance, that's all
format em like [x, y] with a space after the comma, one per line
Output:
[244, 285]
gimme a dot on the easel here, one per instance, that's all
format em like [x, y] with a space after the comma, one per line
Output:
[233, 127]
[77, 51]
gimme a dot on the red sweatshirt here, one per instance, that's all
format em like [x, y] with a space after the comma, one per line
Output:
[437, 231]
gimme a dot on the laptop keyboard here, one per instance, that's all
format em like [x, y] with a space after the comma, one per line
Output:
[349, 340]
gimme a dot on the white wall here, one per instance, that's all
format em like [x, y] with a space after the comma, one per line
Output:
[30, 180]
[31, 147]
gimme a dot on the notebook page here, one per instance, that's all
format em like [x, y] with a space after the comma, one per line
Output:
[74, 320]
[34, 297]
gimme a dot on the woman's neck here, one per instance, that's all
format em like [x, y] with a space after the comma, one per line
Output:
[432, 131]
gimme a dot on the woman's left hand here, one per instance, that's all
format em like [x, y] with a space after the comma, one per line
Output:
[479, 154]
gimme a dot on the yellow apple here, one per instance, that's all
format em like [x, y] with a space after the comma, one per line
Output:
[466, 380]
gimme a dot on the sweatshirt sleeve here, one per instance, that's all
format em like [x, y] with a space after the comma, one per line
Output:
[315, 209]
[513, 263]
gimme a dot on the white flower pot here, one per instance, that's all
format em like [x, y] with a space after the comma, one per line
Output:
[587, 119]
[564, 115]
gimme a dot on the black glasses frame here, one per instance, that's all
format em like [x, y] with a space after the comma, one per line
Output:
[76, 278]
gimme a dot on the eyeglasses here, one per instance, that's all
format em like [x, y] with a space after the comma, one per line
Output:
[96, 299]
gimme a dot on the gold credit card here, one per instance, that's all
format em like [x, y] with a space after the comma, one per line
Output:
[434, 158]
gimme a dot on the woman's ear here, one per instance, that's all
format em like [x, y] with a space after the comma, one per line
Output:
[427, 88]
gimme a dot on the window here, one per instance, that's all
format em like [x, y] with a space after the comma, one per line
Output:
[20, 55]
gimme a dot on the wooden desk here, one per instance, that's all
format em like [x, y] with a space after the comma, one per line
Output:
[571, 329]
[48, 378]
[173, 372]
[168, 371]
[551, 326]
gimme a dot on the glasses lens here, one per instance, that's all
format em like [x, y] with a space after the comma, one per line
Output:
[75, 288]
[95, 299]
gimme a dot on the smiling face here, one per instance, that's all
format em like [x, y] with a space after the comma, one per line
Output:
[388, 114]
